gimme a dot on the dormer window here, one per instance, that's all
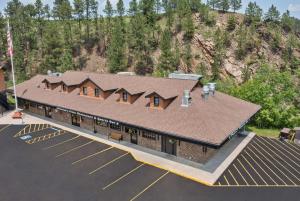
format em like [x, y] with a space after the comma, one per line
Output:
[97, 92]
[156, 101]
[64, 87]
[47, 85]
[125, 96]
[84, 91]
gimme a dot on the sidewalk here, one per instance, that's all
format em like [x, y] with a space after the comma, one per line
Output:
[204, 173]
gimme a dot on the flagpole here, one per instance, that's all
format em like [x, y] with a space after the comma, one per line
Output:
[13, 71]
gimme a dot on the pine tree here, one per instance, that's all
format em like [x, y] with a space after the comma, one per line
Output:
[158, 6]
[231, 23]
[94, 12]
[195, 5]
[39, 15]
[236, 5]
[188, 25]
[187, 57]
[87, 18]
[286, 21]
[273, 15]
[166, 59]
[223, 5]
[121, 12]
[212, 3]
[79, 13]
[116, 50]
[253, 13]
[169, 12]
[108, 10]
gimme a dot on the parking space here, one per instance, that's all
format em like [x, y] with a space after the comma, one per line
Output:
[264, 162]
[67, 166]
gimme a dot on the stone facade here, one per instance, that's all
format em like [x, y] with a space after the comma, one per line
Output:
[187, 150]
[62, 116]
[194, 152]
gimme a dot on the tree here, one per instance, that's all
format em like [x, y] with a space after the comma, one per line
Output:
[235, 5]
[94, 12]
[273, 15]
[286, 21]
[166, 59]
[116, 50]
[158, 5]
[231, 23]
[108, 10]
[79, 13]
[212, 3]
[253, 13]
[223, 5]
[195, 5]
[169, 12]
[39, 15]
[188, 26]
[187, 57]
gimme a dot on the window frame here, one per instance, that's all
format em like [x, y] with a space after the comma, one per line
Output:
[156, 101]
[64, 87]
[84, 91]
[125, 96]
[97, 92]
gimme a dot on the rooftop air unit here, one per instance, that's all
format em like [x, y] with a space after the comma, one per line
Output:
[205, 92]
[186, 99]
[183, 76]
[212, 88]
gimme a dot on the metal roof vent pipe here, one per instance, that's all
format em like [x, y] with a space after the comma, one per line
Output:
[205, 93]
[186, 99]
[212, 88]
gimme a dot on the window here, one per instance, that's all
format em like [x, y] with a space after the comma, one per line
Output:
[102, 123]
[125, 96]
[64, 87]
[97, 92]
[84, 91]
[47, 85]
[115, 126]
[150, 136]
[156, 101]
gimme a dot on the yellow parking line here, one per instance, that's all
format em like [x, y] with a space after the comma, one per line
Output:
[140, 193]
[275, 165]
[253, 167]
[125, 175]
[225, 178]
[4, 127]
[19, 133]
[233, 177]
[61, 143]
[247, 172]
[94, 154]
[240, 174]
[106, 164]
[280, 157]
[279, 150]
[265, 165]
[73, 149]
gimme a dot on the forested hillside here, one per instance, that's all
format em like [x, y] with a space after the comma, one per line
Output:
[254, 56]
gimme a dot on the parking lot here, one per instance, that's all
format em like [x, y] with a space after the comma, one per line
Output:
[264, 162]
[41, 162]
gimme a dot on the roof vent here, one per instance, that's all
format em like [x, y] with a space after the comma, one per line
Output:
[126, 73]
[183, 76]
[205, 93]
[186, 98]
[50, 73]
[212, 88]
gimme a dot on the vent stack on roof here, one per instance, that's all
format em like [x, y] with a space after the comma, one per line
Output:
[205, 92]
[186, 98]
[212, 88]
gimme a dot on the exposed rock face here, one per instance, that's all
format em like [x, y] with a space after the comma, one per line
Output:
[205, 46]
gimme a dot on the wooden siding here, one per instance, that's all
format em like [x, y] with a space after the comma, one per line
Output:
[163, 103]
[2, 81]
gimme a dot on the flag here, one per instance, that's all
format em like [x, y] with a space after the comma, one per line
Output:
[9, 42]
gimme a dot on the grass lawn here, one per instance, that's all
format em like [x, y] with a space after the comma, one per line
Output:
[264, 131]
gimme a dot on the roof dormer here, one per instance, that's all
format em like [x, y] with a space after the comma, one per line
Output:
[128, 97]
[159, 102]
[90, 89]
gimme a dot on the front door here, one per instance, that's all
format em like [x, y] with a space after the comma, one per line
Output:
[169, 145]
[48, 112]
[133, 138]
[75, 120]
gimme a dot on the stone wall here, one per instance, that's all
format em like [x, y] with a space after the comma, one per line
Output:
[154, 144]
[62, 116]
[87, 123]
[194, 152]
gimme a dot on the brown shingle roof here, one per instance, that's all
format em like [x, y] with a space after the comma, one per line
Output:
[210, 121]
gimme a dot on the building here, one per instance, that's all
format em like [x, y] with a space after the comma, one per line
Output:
[176, 116]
